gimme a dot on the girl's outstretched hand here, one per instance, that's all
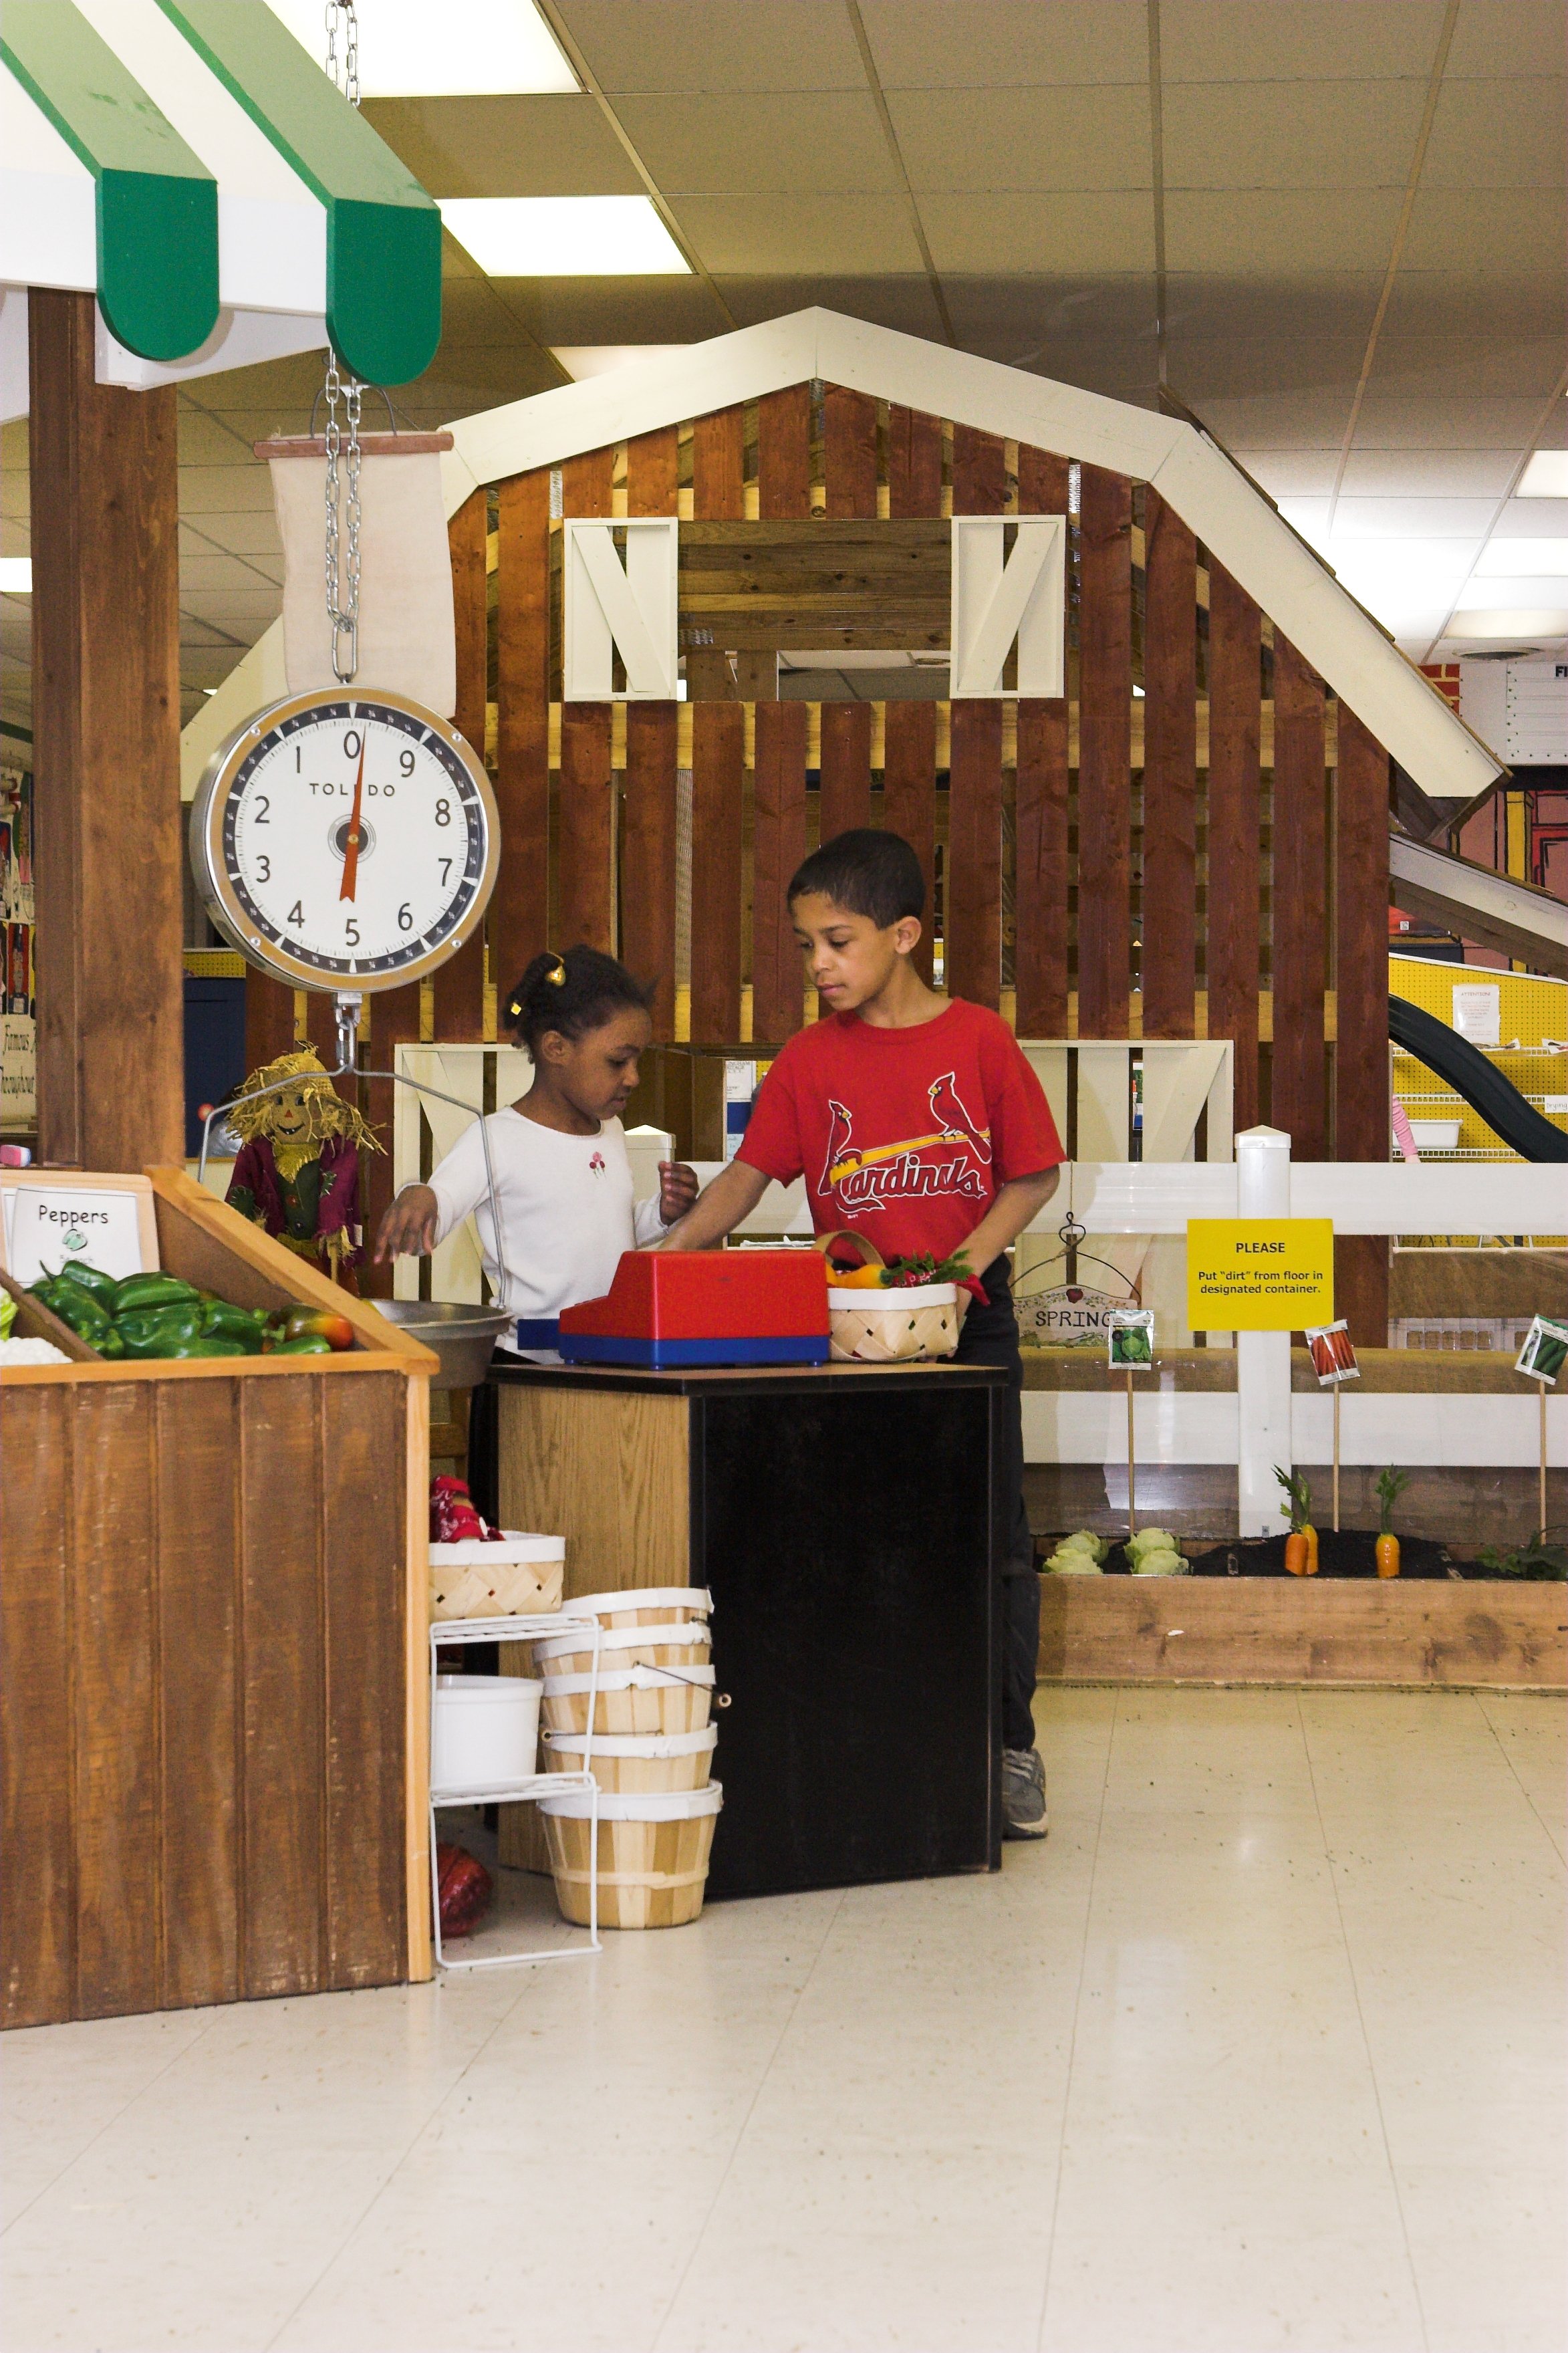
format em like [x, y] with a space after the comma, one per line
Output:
[676, 1190]
[409, 1228]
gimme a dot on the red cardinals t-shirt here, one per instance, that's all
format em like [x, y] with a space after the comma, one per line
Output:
[903, 1135]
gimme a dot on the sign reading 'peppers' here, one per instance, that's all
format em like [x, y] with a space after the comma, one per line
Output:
[1259, 1274]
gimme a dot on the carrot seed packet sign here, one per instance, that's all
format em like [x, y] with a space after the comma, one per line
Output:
[1259, 1274]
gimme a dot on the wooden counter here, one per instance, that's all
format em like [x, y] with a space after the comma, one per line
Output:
[846, 1521]
[212, 1755]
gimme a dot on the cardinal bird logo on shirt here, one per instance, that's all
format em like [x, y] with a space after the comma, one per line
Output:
[882, 1173]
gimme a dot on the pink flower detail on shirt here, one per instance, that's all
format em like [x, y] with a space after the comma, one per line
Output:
[597, 1164]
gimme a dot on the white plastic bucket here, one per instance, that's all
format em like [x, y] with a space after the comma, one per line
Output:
[634, 1763]
[485, 1732]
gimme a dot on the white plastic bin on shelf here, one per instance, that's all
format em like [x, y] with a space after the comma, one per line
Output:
[1435, 1134]
[485, 1732]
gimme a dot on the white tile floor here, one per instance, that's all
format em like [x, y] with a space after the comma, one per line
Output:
[1264, 2048]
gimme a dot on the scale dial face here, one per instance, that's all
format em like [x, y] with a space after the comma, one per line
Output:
[345, 841]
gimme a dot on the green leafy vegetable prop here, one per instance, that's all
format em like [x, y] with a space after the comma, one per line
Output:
[1543, 1560]
[1154, 1552]
[1078, 1556]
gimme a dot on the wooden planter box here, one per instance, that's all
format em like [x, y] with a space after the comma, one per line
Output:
[1267, 1630]
[213, 1763]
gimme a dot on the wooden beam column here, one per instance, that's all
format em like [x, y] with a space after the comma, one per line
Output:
[1105, 754]
[106, 703]
[1360, 978]
[1040, 865]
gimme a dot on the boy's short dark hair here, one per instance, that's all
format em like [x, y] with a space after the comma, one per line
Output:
[868, 873]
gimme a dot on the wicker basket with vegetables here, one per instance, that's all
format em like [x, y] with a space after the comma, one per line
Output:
[901, 1311]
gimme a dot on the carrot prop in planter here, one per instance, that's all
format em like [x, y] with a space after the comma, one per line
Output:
[1302, 1543]
[1391, 1483]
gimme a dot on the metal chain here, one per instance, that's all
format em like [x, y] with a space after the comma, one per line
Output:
[342, 578]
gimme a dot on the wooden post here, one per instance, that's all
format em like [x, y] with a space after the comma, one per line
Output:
[1336, 1458]
[106, 703]
[1131, 1460]
[1541, 1393]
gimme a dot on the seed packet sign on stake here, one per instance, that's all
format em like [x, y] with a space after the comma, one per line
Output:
[1542, 1358]
[46, 1223]
[1130, 1348]
[1333, 1352]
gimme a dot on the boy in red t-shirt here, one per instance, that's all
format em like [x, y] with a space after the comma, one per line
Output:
[916, 1122]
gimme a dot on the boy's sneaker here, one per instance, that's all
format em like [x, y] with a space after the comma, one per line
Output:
[1022, 1794]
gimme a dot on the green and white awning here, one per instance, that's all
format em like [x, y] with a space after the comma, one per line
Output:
[188, 162]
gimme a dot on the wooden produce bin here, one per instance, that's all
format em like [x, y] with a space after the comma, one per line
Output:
[213, 1753]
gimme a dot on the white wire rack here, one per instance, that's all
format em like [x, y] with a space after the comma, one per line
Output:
[446, 1633]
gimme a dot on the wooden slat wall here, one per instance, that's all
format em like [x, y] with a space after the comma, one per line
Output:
[778, 846]
[202, 1770]
[604, 889]
[519, 910]
[1168, 963]
[1360, 978]
[1299, 1102]
[648, 877]
[1105, 754]
[459, 984]
[846, 766]
[1040, 858]
[971, 909]
[1235, 699]
[585, 837]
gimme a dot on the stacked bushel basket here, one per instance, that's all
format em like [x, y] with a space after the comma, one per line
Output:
[652, 1754]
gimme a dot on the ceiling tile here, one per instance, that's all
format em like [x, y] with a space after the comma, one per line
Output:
[1023, 139]
[1421, 518]
[998, 44]
[234, 534]
[1293, 473]
[1415, 364]
[1331, 304]
[227, 490]
[528, 146]
[241, 615]
[1285, 134]
[1457, 472]
[1386, 422]
[1498, 229]
[1509, 37]
[1049, 233]
[1448, 299]
[1533, 519]
[1499, 134]
[1296, 420]
[685, 44]
[607, 310]
[1232, 368]
[797, 234]
[1272, 232]
[206, 439]
[905, 303]
[752, 143]
[1305, 40]
[203, 576]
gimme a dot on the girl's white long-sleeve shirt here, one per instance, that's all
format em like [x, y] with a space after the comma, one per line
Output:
[566, 1208]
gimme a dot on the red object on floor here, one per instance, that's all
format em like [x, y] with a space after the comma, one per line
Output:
[664, 1297]
[466, 1888]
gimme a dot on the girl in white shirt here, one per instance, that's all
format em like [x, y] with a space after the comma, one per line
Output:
[563, 1184]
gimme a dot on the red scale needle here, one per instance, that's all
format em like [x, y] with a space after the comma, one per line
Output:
[351, 849]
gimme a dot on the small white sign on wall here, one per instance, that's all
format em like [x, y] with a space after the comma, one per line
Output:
[1477, 1012]
[45, 1226]
[613, 607]
[1000, 595]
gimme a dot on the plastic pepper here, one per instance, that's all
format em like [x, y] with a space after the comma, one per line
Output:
[102, 1287]
[81, 1311]
[336, 1330]
[140, 1290]
[220, 1320]
[202, 1347]
[305, 1344]
[155, 1332]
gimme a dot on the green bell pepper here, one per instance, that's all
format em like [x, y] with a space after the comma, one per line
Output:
[154, 1331]
[308, 1343]
[81, 1311]
[221, 1321]
[102, 1287]
[141, 1291]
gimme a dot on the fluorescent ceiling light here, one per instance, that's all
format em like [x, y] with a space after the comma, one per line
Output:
[409, 50]
[1546, 476]
[1518, 621]
[16, 575]
[583, 360]
[564, 236]
[1512, 559]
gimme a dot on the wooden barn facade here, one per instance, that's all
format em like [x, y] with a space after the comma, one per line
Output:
[1192, 842]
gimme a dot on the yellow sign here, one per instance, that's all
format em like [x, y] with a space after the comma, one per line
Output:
[1259, 1274]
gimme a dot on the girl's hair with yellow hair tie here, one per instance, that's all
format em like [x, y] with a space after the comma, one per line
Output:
[571, 994]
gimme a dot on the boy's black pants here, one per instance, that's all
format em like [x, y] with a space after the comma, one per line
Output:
[989, 1336]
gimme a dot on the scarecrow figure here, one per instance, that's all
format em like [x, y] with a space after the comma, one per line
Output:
[297, 1170]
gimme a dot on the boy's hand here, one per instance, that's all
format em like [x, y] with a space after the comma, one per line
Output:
[409, 1228]
[677, 1191]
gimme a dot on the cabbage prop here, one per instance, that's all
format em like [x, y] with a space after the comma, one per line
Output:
[1078, 1556]
[7, 1314]
[1152, 1552]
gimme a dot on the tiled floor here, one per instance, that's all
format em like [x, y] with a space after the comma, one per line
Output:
[1263, 2049]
